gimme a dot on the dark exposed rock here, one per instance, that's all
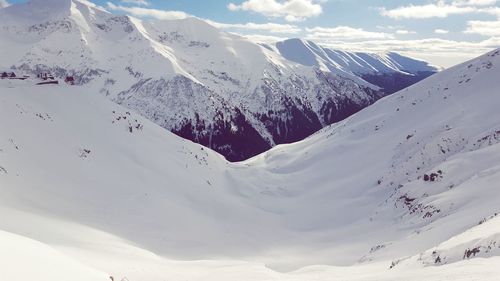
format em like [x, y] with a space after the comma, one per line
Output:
[221, 137]
[391, 83]
[471, 252]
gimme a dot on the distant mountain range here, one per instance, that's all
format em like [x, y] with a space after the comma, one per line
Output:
[390, 71]
[215, 88]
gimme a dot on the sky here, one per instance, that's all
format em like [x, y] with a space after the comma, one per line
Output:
[444, 32]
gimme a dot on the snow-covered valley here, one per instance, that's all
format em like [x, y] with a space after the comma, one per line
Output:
[94, 186]
[406, 189]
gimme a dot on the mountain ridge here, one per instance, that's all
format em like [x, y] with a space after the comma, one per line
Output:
[243, 97]
[389, 71]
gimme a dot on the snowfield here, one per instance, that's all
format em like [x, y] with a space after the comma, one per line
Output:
[407, 189]
[25, 259]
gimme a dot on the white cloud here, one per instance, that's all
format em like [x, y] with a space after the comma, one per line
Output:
[441, 31]
[290, 10]
[136, 2]
[475, 2]
[491, 10]
[486, 28]
[258, 38]
[3, 3]
[390, 27]
[146, 12]
[439, 9]
[404, 32]
[442, 9]
[268, 27]
[345, 33]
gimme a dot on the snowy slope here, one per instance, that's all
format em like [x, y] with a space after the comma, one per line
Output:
[113, 193]
[212, 87]
[445, 127]
[25, 259]
[391, 71]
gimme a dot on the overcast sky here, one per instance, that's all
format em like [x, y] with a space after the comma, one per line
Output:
[445, 32]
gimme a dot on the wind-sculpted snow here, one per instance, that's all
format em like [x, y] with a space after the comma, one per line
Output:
[256, 91]
[403, 190]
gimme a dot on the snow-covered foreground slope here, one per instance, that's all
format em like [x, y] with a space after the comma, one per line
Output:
[110, 192]
[212, 87]
[25, 259]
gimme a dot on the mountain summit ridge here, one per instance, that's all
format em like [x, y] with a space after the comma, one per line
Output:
[390, 71]
[351, 62]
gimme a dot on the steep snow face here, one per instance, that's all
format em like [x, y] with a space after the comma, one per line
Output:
[392, 72]
[211, 87]
[403, 190]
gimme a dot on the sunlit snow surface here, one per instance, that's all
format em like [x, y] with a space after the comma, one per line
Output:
[98, 190]
[90, 189]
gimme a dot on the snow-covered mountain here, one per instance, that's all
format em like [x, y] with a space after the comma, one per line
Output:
[406, 189]
[212, 87]
[414, 175]
[390, 71]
